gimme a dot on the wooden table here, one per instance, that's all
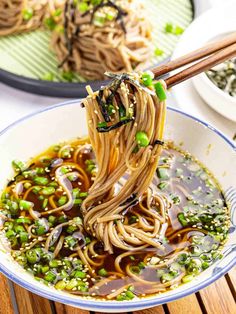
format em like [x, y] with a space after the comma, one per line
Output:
[218, 298]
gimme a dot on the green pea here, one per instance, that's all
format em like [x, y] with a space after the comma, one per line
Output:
[48, 190]
[142, 139]
[41, 180]
[25, 205]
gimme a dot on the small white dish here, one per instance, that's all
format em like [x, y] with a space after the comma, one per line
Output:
[33, 134]
[212, 23]
[219, 100]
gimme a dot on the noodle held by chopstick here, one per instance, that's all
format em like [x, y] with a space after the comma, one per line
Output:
[125, 103]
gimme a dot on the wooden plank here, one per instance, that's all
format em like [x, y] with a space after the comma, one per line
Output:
[217, 298]
[65, 309]
[154, 310]
[231, 279]
[29, 303]
[6, 306]
[185, 305]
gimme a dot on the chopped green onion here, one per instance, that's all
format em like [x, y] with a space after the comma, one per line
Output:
[25, 205]
[50, 276]
[147, 79]
[162, 185]
[18, 165]
[80, 274]
[33, 256]
[27, 14]
[158, 52]
[160, 91]
[102, 272]
[187, 278]
[182, 219]
[62, 200]
[60, 285]
[48, 77]
[102, 124]
[48, 190]
[162, 173]
[169, 28]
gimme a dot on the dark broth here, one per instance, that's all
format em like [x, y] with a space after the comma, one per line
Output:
[197, 226]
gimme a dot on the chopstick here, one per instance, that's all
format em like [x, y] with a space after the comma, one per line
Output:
[202, 66]
[215, 53]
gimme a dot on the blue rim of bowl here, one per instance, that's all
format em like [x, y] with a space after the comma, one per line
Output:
[116, 305]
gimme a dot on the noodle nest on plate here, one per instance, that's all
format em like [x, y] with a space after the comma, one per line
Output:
[113, 36]
[18, 16]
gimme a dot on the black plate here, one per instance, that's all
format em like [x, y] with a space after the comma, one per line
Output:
[58, 89]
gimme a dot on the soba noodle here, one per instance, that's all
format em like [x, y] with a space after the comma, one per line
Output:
[112, 36]
[17, 16]
[110, 195]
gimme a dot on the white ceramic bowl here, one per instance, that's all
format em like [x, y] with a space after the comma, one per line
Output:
[33, 134]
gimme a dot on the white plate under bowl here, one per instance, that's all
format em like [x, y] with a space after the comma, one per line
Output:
[33, 134]
[210, 24]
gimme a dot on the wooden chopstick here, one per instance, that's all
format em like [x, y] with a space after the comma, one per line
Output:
[202, 66]
[195, 55]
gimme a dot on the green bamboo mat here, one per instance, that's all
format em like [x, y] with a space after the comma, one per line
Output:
[29, 55]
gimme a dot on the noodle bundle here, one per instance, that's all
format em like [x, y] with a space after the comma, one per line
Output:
[17, 16]
[118, 157]
[112, 36]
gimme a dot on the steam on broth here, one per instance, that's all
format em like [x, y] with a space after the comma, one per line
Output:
[56, 249]
[122, 214]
